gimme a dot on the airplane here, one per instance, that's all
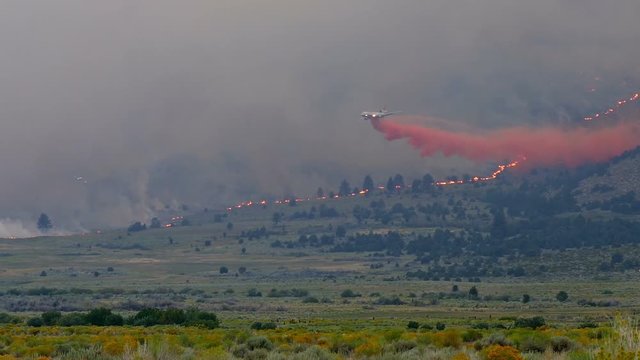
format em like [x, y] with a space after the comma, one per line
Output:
[369, 115]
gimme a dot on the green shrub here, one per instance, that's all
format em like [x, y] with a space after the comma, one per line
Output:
[35, 322]
[413, 325]
[50, 318]
[259, 342]
[72, 319]
[587, 325]
[190, 317]
[82, 353]
[531, 323]
[341, 347]
[114, 320]
[391, 335]
[263, 326]
[493, 339]
[240, 351]
[389, 301]
[257, 354]
[195, 317]
[471, 335]
[562, 296]
[299, 292]
[349, 294]
[400, 346]
[534, 343]
[426, 327]
[480, 326]
[288, 293]
[561, 344]
[8, 319]
[313, 353]
[98, 316]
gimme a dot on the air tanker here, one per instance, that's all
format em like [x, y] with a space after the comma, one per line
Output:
[370, 115]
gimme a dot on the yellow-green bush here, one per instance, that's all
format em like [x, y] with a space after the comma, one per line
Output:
[500, 352]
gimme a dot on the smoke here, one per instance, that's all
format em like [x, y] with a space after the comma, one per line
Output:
[544, 146]
[16, 229]
[160, 103]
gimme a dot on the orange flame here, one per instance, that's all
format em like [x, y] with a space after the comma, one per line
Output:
[494, 175]
[618, 105]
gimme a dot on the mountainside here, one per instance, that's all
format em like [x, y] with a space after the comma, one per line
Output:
[621, 176]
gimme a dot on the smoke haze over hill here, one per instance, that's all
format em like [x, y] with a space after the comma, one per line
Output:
[161, 103]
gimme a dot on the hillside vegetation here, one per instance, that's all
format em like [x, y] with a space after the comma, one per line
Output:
[421, 259]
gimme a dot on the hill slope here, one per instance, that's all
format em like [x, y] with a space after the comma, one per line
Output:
[621, 176]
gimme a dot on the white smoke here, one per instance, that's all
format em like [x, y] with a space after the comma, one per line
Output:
[16, 229]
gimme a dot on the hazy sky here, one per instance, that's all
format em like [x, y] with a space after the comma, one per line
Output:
[160, 103]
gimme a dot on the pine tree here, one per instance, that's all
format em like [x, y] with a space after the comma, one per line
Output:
[398, 181]
[345, 188]
[390, 185]
[44, 223]
[367, 184]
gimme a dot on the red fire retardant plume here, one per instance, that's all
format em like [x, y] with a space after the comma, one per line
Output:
[545, 146]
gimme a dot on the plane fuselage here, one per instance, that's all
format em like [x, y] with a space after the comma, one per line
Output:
[369, 115]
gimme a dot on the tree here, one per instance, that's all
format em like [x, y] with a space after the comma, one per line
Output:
[398, 181]
[413, 325]
[345, 188]
[367, 184]
[155, 223]
[526, 298]
[341, 231]
[98, 316]
[361, 213]
[44, 223]
[499, 224]
[390, 185]
[407, 214]
[416, 186]
[51, 318]
[473, 292]
[562, 296]
[137, 226]
[35, 322]
[224, 270]
[617, 258]
[276, 218]
[427, 181]
[320, 193]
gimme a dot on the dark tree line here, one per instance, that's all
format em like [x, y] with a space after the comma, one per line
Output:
[145, 317]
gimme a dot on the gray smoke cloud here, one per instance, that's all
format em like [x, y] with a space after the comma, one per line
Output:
[161, 103]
